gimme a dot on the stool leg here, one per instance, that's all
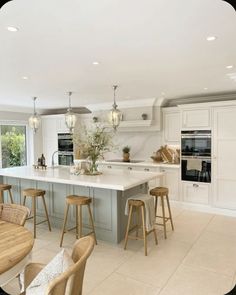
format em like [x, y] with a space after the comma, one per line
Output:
[1, 197]
[163, 215]
[168, 204]
[76, 222]
[128, 226]
[92, 223]
[34, 214]
[144, 230]
[137, 221]
[156, 201]
[155, 235]
[80, 221]
[24, 200]
[64, 223]
[46, 212]
[10, 194]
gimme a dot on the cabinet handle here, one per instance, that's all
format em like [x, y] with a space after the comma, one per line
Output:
[130, 168]
[195, 185]
[146, 169]
[109, 166]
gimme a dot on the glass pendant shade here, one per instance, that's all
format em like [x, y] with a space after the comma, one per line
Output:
[34, 119]
[115, 118]
[115, 114]
[70, 117]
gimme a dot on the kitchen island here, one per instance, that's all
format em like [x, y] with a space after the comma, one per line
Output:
[109, 192]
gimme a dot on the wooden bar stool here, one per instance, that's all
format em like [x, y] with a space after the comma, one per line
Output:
[35, 193]
[5, 187]
[139, 207]
[162, 192]
[78, 201]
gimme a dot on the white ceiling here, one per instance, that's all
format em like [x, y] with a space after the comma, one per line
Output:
[147, 47]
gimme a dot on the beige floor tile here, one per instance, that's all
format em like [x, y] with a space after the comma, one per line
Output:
[215, 252]
[152, 269]
[117, 284]
[223, 225]
[194, 281]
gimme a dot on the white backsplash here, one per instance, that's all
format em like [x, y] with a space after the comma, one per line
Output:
[142, 144]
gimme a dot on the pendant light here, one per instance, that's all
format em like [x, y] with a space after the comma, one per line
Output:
[115, 114]
[34, 119]
[70, 117]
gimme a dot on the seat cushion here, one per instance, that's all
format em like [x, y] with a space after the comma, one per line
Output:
[60, 263]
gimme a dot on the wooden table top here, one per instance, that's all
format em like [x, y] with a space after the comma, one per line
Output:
[16, 242]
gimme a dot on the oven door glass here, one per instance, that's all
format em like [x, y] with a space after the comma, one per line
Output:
[201, 174]
[66, 160]
[65, 144]
[196, 146]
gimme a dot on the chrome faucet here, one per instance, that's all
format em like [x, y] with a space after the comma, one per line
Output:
[53, 164]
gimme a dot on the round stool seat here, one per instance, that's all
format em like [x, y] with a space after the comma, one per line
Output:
[32, 192]
[78, 200]
[135, 203]
[159, 191]
[4, 187]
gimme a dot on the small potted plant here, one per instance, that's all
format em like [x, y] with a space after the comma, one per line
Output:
[126, 154]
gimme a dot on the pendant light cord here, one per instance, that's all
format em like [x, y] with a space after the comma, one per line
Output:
[34, 99]
[69, 93]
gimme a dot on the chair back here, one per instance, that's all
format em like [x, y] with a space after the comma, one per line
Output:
[71, 281]
[14, 213]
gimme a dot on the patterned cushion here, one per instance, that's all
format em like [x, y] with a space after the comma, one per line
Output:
[53, 269]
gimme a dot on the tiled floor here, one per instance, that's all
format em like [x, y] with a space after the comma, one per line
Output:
[198, 258]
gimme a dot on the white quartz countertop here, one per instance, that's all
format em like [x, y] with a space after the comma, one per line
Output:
[141, 164]
[117, 179]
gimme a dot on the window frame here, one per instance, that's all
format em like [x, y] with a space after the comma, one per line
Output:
[29, 139]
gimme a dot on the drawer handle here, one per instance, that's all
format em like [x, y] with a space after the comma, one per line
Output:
[146, 169]
[195, 185]
[130, 168]
[109, 166]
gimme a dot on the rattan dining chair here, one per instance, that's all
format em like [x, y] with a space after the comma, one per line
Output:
[73, 275]
[14, 213]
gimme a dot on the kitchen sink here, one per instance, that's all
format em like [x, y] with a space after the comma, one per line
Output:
[121, 161]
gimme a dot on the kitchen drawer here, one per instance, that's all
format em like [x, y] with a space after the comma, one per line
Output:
[196, 192]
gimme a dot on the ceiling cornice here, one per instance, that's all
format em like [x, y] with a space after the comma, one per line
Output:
[200, 99]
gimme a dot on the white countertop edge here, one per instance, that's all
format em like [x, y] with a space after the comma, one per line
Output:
[141, 164]
[90, 180]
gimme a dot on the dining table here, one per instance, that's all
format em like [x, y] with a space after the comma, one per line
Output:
[16, 243]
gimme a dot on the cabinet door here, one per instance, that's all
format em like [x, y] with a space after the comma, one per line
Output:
[171, 123]
[224, 157]
[196, 192]
[49, 137]
[61, 125]
[171, 181]
[196, 118]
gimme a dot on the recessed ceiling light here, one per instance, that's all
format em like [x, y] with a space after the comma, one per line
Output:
[211, 38]
[95, 63]
[205, 88]
[25, 78]
[12, 29]
[163, 93]
[229, 67]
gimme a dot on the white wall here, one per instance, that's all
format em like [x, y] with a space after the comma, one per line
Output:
[142, 144]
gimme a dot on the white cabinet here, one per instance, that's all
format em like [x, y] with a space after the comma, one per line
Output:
[61, 125]
[196, 118]
[198, 193]
[171, 181]
[49, 138]
[171, 125]
[224, 157]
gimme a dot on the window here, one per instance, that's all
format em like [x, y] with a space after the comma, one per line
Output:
[13, 145]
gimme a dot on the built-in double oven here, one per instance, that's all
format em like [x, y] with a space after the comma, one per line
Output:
[65, 148]
[196, 155]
